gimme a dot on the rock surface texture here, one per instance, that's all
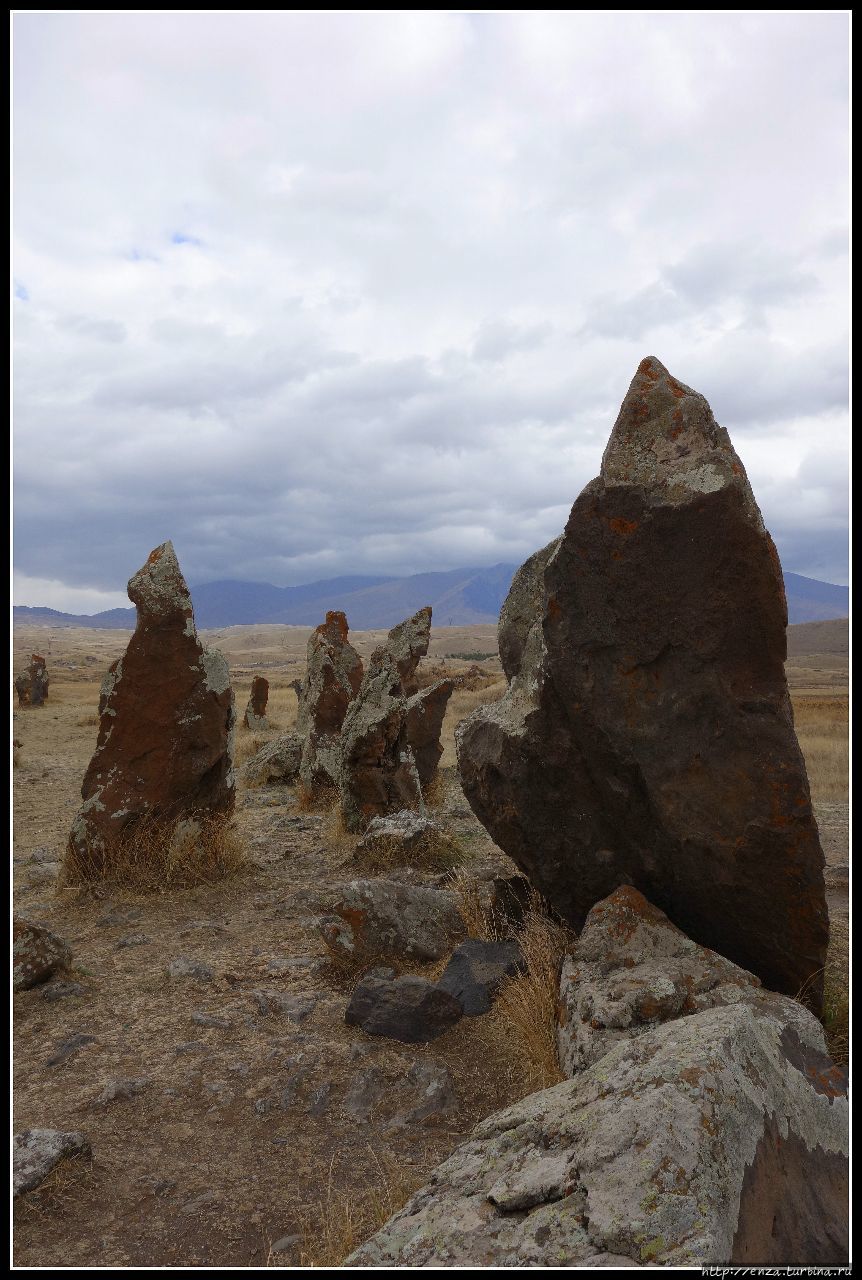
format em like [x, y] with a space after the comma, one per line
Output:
[410, 1009]
[166, 728]
[255, 712]
[646, 736]
[36, 1152]
[717, 1136]
[332, 679]
[37, 954]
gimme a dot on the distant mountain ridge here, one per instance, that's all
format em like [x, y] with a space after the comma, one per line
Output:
[458, 598]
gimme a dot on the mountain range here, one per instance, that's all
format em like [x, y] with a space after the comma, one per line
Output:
[458, 598]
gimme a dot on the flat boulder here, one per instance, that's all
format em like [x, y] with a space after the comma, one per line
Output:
[255, 712]
[166, 726]
[332, 679]
[409, 1009]
[384, 917]
[398, 834]
[646, 735]
[37, 954]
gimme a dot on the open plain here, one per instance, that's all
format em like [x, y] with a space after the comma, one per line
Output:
[234, 1118]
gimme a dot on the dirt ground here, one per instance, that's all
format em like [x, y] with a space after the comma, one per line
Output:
[242, 1139]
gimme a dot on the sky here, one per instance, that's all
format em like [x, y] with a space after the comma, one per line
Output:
[313, 294]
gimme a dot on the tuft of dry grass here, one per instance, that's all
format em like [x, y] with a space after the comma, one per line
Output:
[462, 704]
[155, 856]
[345, 1218]
[246, 747]
[320, 799]
[836, 992]
[527, 1004]
[473, 907]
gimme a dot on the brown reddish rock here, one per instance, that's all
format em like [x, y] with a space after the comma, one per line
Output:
[255, 712]
[646, 736]
[332, 680]
[166, 725]
[425, 712]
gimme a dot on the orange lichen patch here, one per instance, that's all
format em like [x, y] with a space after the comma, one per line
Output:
[554, 609]
[736, 468]
[625, 528]
[677, 390]
[647, 369]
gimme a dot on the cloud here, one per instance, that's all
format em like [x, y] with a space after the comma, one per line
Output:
[317, 293]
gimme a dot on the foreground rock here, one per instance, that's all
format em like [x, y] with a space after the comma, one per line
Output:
[383, 917]
[255, 712]
[332, 680]
[35, 1152]
[31, 685]
[646, 736]
[477, 970]
[409, 1009]
[166, 728]
[398, 835]
[425, 712]
[37, 954]
[632, 969]
[277, 761]
[717, 1136]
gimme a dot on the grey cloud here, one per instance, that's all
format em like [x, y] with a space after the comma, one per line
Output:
[101, 330]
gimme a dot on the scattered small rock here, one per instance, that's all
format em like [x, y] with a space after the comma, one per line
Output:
[134, 940]
[186, 967]
[122, 1090]
[37, 954]
[62, 990]
[407, 1008]
[476, 970]
[68, 1048]
[295, 1007]
[209, 1020]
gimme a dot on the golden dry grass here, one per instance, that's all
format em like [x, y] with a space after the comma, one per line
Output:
[434, 851]
[822, 727]
[155, 856]
[462, 704]
[344, 1219]
[473, 907]
[527, 1004]
[247, 745]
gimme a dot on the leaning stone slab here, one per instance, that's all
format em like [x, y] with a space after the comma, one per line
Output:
[384, 917]
[720, 1138]
[35, 1152]
[425, 712]
[332, 679]
[646, 736]
[277, 761]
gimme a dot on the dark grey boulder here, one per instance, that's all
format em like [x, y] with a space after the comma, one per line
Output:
[477, 969]
[408, 1009]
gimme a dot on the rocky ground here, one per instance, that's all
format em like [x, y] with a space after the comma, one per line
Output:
[230, 1109]
[221, 1117]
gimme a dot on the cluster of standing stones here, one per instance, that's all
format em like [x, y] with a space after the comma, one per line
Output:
[642, 770]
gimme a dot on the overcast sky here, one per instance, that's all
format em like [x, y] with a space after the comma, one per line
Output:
[314, 294]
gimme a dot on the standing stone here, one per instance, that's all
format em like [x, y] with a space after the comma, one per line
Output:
[39, 680]
[646, 736]
[332, 680]
[408, 643]
[378, 770]
[255, 712]
[22, 688]
[425, 712]
[166, 730]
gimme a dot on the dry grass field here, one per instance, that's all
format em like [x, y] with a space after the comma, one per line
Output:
[260, 1137]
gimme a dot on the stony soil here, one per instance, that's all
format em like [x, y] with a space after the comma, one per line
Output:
[242, 1131]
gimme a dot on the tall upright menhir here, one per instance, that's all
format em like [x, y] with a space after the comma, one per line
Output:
[166, 727]
[646, 736]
